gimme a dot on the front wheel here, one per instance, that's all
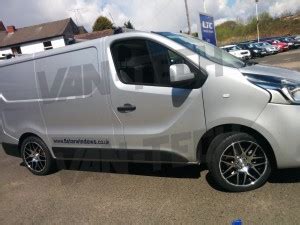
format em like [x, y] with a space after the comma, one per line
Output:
[238, 163]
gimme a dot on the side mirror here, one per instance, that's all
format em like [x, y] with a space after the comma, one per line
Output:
[180, 74]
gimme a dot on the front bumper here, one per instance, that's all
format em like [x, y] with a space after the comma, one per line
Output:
[263, 53]
[246, 57]
[280, 125]
[273, 51]
[270, 52]
[286, 48]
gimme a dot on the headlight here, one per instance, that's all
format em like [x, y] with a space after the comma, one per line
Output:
[255, 50]
[290, 89]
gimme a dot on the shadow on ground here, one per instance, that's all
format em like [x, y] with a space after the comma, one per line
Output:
[167, 170]
[278, 176]
[143, 169]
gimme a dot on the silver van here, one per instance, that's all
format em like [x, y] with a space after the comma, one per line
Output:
[156, 98]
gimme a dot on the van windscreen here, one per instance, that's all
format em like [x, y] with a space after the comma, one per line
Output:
[205, 50]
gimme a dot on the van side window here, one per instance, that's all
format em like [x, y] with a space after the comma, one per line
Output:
[144, 62]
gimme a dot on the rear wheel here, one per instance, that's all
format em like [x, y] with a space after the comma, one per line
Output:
[36, 156]
[238, 163]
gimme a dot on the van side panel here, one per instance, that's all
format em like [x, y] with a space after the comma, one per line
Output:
[74, 100]
[20, 112]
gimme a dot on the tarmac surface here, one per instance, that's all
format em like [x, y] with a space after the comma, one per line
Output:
[289, 59]
[103, 193]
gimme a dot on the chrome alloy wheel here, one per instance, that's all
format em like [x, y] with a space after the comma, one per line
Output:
[34, 157]
[243, 163]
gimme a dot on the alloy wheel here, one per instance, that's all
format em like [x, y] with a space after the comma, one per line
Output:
[34, 157]
[243, 163]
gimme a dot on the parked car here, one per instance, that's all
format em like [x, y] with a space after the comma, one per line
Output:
[156, 98]
[270, 49]
[293, 43]
[255, 51]
[237, 52]
[281, 45]
[288, 41]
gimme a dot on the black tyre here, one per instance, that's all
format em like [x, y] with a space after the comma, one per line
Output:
[36, 156]
[237, 162]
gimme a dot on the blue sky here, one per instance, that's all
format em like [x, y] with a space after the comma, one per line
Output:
[231, 2]
[145, 14]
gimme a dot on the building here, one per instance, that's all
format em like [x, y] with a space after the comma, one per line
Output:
[82, 30]
[99, 34]
[2, 27]
[93, 35]
[37, 38]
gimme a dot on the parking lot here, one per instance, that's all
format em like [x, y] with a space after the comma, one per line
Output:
[290, 60]
[103, 193]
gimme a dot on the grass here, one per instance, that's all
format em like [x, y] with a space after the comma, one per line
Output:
[237, 31]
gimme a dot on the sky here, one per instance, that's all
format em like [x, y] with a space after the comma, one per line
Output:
[149, 15]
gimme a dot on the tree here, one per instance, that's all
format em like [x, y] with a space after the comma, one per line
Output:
[195, 34]
[128, 25]
[102, 23]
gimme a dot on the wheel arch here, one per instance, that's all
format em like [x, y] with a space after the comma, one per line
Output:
[208, 137]
[24, 136]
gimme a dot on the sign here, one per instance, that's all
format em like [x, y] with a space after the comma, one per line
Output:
[207, 30]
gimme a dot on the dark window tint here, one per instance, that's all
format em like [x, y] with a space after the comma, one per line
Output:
[16, 50]
[47, 45]
[144, 62]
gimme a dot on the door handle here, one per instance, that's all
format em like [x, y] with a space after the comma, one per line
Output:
[126, 108]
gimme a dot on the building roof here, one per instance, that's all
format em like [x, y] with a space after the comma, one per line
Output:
[82, 30]
[94, 35]
[2, 27]
[36, 32]
[69, 48]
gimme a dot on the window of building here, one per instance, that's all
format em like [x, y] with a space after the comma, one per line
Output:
[144, 62]
[16, 50]
[47, 45]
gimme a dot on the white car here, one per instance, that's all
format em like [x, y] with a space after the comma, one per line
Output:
[237, 51]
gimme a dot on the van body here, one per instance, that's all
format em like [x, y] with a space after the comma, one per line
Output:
[152, 97]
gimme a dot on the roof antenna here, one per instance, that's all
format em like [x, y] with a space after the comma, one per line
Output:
[77, 13]
[111, 18]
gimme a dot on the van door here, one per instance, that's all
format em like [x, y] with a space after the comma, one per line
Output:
[160, 123]
[75, 104]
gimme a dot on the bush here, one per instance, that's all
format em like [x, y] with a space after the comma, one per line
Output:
[102, 23]
[235, 31]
